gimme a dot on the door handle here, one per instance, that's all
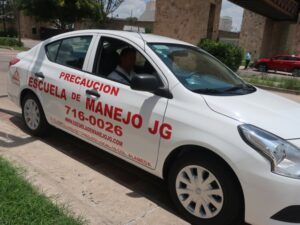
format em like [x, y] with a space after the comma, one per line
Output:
[39, 75]
[93, 93]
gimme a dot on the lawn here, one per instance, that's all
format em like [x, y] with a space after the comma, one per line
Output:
[22, 204]
[9, 42]
[289, 83]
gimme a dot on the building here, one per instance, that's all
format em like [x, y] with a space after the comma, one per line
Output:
[149, 13]
[229, 37]
[188, 20]
[265, 37]
[226, 23]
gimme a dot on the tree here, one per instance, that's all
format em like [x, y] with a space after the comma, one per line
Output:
[6, 12]
[61, 12]
[108, 7]
[230, 55]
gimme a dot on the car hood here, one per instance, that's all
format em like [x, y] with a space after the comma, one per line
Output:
[270, 112]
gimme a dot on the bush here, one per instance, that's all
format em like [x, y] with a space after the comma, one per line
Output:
[10, 32]
[12, 42]
[230, 55]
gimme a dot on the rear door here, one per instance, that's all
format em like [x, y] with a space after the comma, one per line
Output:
[287, 63]
[291, 63]
[126, 122]
[277, 63]
[55, 72]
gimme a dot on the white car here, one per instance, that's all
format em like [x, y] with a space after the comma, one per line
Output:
[229, 152]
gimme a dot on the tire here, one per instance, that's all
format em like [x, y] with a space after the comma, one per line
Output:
[263, 68]
[33, 116]
[296, 72]
[224, 207]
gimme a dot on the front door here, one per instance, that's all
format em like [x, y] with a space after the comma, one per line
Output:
[126, 122]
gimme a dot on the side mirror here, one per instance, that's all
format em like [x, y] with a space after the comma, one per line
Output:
[144, 82]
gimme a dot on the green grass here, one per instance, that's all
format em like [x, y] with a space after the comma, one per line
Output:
[271, 81]
[22, 204]
[9, 42]
[17, 48]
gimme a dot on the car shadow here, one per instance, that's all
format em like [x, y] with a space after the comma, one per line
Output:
[141, 183]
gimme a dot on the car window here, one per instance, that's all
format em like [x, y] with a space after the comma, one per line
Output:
[52, 49]
[72, 51]
[198, 71]
[292, 58]
[288, 58]
[280, 58]
[108, 56]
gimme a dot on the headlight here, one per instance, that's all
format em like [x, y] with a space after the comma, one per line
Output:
[284, 157]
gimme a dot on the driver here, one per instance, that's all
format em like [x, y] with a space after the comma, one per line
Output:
[124, 71]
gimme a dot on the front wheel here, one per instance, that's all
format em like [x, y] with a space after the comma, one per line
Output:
[33, 115]
[263, 68]
[296, 72]
[205, 191]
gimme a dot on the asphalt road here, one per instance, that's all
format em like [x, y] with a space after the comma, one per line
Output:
[101, 188]
[5, 56]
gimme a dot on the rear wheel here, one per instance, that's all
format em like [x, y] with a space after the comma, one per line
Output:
[205, 192]
[296, 72]
[33, 115]
[262, 68]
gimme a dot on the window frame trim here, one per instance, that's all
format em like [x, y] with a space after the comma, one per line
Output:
[66, 38]
[164, 80]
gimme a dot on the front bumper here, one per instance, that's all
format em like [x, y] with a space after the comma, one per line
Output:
[265, 200]
[289, 215]
[270, 199]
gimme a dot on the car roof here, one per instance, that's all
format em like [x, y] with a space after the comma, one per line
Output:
[286, 55]
[138, 38]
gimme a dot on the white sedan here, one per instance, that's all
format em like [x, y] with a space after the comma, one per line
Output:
[230, 152]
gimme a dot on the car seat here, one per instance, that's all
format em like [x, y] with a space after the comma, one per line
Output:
[108, 62]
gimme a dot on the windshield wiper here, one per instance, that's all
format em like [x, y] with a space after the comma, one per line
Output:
[207, 91]
[245, 87]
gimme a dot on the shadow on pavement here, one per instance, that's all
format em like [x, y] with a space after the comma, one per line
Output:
[141, 183]
[10, 140]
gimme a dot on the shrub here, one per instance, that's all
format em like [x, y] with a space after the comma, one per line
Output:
[12, 42]
[230, 55]
[10, 32]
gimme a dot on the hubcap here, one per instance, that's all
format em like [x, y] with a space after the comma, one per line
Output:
[32, 114]
[296, 72]
[199, 192]
[262, 68]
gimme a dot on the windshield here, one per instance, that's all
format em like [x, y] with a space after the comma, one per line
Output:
[200, 72]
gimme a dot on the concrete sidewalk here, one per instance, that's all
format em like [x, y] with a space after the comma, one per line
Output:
[30, 43]
[103, 189]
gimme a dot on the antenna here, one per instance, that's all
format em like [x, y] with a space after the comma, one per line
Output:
[142, 38]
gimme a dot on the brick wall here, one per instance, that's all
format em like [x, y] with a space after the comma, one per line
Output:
[265, 37]
[186, 20]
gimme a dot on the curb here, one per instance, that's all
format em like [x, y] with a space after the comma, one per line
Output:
[278, 89]
[8, 48]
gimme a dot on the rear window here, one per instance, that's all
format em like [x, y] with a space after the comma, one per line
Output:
[69, 52]
[52, 50]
